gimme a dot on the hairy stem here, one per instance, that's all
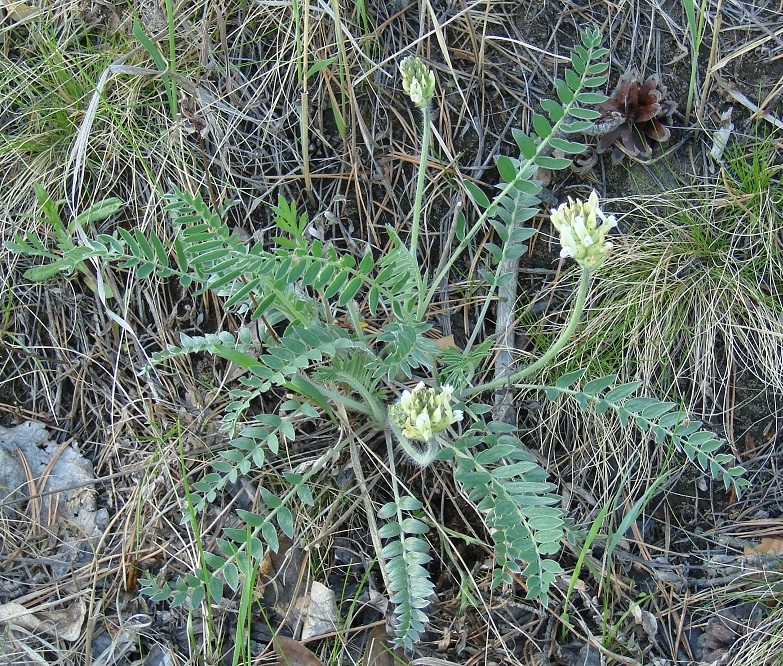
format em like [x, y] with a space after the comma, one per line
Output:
[554, 349]
[426, 134]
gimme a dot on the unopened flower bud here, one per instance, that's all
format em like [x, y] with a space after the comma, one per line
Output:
[581, 236]
[418, 82]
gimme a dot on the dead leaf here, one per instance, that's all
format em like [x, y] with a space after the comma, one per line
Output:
[16, 614]
[278, 577]
[646, 619]
[18, 11]
[750, 445]
[446, 342]
[65, 623]
[584, 162]
[769, 545]
[293, 653]
[544, 175]
[725, 629]
[377, 651]
[320, 615]
[720, 138]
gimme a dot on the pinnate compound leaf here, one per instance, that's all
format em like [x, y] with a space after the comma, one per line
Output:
[408, 579]
[519, 507]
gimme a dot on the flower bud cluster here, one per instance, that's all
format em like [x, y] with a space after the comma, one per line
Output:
[424, 412]
[418, 82]
[581, 235]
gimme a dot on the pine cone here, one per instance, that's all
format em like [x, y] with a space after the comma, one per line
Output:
[638, 113]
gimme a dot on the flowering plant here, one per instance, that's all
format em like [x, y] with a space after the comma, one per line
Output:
[345, 374]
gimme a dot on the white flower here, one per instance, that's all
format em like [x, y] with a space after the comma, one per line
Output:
[424, 412]
[581, 236]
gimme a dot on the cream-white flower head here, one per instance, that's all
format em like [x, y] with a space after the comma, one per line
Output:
[581, 236]
[424, 412]
[418, 82]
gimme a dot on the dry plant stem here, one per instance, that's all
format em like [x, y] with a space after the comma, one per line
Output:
[304, 104]
[368, 507]
[506, 296]
[742, 99]
[557, 345]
